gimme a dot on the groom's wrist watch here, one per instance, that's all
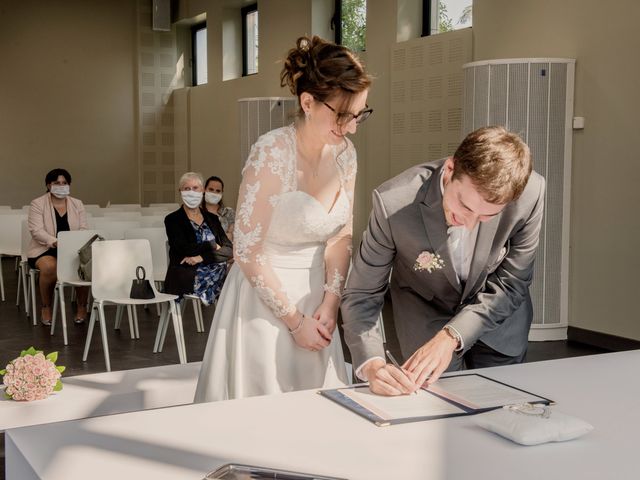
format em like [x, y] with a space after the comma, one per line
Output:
[449, 330]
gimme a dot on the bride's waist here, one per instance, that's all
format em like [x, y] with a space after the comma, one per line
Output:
[295, 256]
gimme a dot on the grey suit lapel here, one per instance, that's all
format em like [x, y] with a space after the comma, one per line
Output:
[435, 226]
[486, 233]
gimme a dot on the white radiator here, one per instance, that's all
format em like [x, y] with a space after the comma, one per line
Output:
[534, 98]
[261, 114]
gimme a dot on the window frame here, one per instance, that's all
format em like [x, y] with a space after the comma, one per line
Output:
[244, 12]
[336, 24]
[427, 10]
[194, 63]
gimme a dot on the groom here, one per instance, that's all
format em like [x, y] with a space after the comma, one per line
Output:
[455, 241]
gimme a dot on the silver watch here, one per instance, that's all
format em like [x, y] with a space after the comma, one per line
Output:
[453, 334]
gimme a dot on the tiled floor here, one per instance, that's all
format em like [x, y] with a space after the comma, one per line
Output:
[17, 332]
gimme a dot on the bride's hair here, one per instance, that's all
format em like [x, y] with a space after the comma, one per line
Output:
[324, 70]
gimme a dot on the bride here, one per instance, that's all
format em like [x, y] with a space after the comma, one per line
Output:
[274, 329]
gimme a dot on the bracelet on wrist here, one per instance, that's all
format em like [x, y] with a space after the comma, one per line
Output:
[297, 329]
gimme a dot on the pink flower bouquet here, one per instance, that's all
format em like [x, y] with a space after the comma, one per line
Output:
[32, 376]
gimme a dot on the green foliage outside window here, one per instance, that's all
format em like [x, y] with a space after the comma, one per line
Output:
[354, 24]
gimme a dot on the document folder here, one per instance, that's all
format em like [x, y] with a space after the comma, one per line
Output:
[233, 471]
[450, 396]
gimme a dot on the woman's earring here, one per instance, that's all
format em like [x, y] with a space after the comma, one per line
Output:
[307, 116]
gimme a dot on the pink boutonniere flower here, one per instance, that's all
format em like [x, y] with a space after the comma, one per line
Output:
[428, 261]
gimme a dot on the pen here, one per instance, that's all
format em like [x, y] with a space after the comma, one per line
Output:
[397, 365]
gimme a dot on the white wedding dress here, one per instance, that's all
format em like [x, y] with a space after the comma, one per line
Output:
[289, 252]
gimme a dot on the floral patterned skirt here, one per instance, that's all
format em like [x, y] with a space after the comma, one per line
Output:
[208, 281]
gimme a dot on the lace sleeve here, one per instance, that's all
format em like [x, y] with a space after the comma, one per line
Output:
[338, 251]
[264, 178]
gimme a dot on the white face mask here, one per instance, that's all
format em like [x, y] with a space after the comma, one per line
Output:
[191, 199]
[211, 197]
[59, 191]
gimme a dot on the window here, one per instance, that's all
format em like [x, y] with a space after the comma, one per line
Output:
[440, 16]
[250, 39]
[199, 62]
[350, 24]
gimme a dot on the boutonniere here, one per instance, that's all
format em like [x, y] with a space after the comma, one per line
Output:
[428, 261]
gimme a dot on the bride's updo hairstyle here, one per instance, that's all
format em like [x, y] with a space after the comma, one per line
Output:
[325, 71]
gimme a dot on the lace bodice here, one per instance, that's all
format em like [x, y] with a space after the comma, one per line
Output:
[272, 211]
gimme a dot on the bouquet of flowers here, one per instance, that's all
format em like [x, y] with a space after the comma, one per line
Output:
[32, 376]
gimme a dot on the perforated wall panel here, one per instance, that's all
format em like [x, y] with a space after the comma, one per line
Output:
[534, 98]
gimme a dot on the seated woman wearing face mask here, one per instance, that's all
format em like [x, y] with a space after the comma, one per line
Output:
[198, 246]
[213, 191]
[54, 212]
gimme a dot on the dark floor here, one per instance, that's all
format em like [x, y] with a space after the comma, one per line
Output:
[19, 333]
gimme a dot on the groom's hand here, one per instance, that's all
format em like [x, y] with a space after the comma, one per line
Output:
[385, 379]
[432, 359]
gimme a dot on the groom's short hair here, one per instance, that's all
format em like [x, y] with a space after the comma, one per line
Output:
[497, 161]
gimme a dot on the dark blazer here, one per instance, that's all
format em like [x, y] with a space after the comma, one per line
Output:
[182, 243]
[493, 306]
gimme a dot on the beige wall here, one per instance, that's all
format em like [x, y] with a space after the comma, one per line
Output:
[67, 98]
[605, 225]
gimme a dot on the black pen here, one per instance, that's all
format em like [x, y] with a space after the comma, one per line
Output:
[397, 365]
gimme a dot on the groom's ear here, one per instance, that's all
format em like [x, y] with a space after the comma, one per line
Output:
[449, 164]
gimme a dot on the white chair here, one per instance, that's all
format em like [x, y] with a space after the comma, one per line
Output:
[5, 207]
[10, 240]
[158, 240]
[124, 207]
[67, 271]
[154, 211]
[114, 265]
[152, 221]
[169, 206]
[121, 214]
[113, 229]
[160, 252]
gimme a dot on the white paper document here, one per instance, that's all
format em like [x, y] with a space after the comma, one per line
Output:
[477, 392]
[405, 406]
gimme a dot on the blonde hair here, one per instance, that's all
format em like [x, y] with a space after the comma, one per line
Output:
[190, 176]
[497, 161]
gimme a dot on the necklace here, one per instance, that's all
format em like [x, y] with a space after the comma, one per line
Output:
[307, 158]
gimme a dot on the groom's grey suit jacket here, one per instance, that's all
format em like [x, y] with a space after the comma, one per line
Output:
[493, 305]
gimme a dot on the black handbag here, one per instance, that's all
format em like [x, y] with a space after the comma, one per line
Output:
[141, 287]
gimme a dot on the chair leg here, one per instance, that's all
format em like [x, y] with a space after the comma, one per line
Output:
[92, 323]
[54, 312]
[132, 332]
[136, 328]
[25, 288]
[177, 327]
[63, 314]
[103, 332]
[163, 319]
[194, 304]
[1, 281]
[201, 317]
[119, 309]
[165, 327]
[34, 314]
[19, 285]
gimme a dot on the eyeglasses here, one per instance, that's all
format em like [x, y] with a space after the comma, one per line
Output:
[343, 118]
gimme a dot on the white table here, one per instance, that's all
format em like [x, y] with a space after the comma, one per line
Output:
[85, 396]
[306, 432]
